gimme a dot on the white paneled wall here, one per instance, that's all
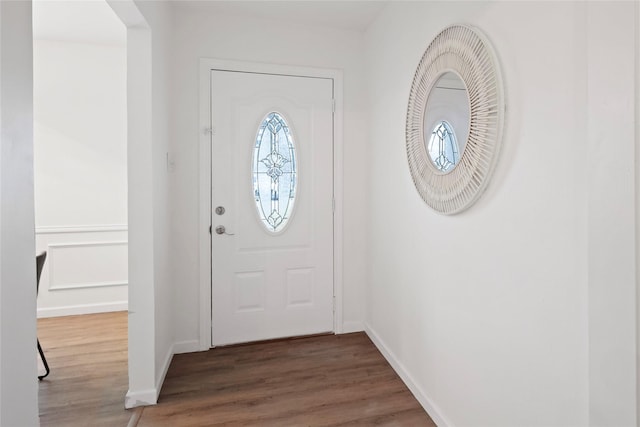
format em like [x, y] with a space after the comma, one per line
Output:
[80, 151]
[85, 270]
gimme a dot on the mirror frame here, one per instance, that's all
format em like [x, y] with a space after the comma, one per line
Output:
[463, 50]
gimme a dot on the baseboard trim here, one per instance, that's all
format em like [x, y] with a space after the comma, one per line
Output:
[73, 310]
[150, 397]
[164, 369]
[140, 398]
[349, 327]
[427, 403]
[191, 346]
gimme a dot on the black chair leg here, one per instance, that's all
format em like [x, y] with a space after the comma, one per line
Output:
[44, 361]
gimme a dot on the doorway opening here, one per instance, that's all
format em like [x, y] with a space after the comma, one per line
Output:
[80, 167]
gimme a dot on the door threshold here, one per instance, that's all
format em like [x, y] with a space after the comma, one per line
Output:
[275, 340]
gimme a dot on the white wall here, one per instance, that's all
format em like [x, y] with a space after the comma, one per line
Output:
[612, 90]
[201, 34]
[80, 115]
[80, 155]
[504, 315]
[150, 332]
[150, 312]
[18, 380]
[85, 270]
[155, 299]
[159, 18]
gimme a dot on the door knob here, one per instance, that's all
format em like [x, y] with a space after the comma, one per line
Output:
[220, 229]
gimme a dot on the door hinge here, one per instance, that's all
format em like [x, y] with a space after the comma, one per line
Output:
[209, 229]
[333, 204]
[333, 105]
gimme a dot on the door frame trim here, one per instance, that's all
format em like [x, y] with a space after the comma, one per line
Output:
[206, 65]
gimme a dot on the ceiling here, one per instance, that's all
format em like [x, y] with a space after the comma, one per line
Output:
[354, 15]
[94, 21]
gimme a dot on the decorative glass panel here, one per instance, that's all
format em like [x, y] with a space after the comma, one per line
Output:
[443, 147]
[274, 172]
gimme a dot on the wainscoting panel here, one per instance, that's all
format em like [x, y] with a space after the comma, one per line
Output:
[85, 271]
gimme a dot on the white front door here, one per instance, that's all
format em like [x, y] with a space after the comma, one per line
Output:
[272, 194]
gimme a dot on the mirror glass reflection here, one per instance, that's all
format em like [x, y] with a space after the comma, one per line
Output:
[446, 122]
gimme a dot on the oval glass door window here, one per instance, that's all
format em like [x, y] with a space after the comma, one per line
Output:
[274, 172]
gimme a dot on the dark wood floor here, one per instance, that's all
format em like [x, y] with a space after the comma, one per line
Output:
[325, 380]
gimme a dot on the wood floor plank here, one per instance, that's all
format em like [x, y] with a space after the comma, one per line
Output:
[330, 380]
[325, 380]
[88, 380]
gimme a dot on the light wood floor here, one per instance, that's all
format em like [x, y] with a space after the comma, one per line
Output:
[324, 380]
[88, 380]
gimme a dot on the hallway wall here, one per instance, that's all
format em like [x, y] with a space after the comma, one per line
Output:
[80, 166]
[18, 380]
[200, 33]
[520, 310]
[155, 309]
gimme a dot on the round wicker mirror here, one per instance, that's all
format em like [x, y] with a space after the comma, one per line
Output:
[461, 51]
